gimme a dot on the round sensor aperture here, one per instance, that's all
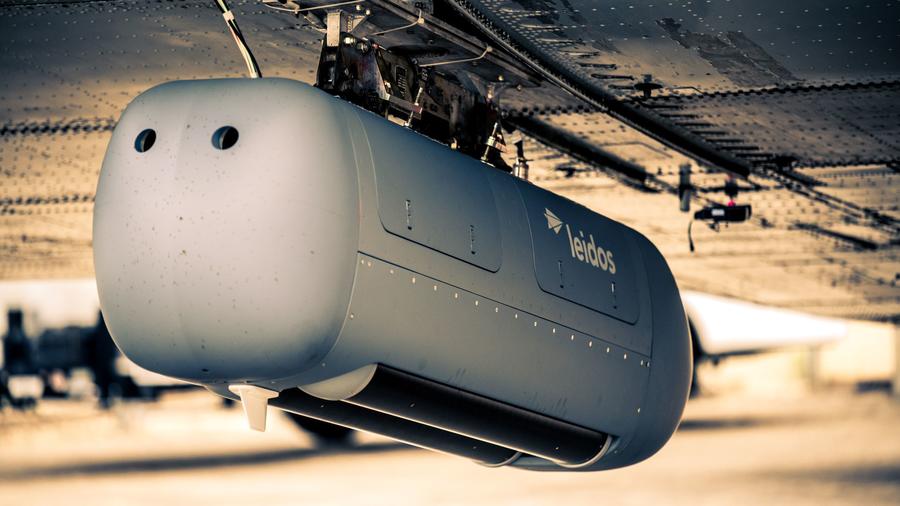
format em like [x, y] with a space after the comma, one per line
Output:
[145, 140]
[225, 137]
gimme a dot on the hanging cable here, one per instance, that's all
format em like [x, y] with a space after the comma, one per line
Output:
[690, 239]
[252, 66]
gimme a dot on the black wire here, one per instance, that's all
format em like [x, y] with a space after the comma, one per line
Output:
[250, 60]
[690, 240]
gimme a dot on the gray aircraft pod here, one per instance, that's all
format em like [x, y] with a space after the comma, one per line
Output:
[276, 244]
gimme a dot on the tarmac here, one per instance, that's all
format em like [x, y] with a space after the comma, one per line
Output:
[832, 447]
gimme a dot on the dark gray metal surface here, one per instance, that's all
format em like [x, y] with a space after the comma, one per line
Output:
[515, 283]
[809, 126]
[424, 201]
[714, 45]
[509, 354]
[587, 261]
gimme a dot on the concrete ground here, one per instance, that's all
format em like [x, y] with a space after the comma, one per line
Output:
[786, 447]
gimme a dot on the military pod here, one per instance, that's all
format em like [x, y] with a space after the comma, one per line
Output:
[263, 234]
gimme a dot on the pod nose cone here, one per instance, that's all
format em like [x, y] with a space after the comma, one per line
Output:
[221, 253]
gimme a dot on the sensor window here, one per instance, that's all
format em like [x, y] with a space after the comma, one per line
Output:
[145, 140]
[225, 137]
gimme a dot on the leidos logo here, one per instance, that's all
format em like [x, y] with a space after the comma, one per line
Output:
[586, 251]
[553, 221]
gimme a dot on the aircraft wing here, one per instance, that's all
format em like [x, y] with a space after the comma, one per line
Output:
[799, 102]
[723, 327]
